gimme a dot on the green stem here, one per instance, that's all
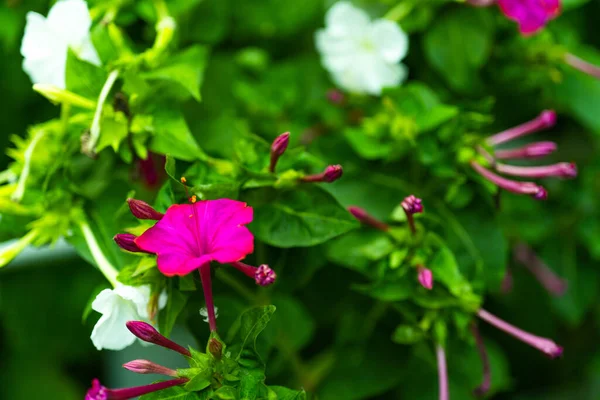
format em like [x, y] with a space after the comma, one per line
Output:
[107, 269]
[165, 30]
[20, 190]
[95, 129]
[65, 112]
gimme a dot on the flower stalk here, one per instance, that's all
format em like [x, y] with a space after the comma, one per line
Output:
[533, 150]
[99, 392]
[544, 345]
[17, 195]
[90, 145]
[444, 393]
[559, 170]
[548, 278]
[365, 218]
[107, 269]
[208, 296]
[485, 362]
[528, 188]
[546, 119]
[583, 66]
[331, 174]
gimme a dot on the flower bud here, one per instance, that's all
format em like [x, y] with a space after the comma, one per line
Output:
[278, 147]
[332, 173]
[264, 275]
[425, 277]
[363, 217]
[336, 97]
[547, 118]
[146, 332]
[126, 241]
[412, 205]
[215, 348]
[148, 367]
[142, 210]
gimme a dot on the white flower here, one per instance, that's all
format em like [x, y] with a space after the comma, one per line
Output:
[362, 55]
[47, 40]
[117, 306]
[204, 313]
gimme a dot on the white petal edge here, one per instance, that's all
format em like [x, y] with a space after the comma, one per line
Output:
[71, 20]
[344, 19]
[110, 332]
[390, 40]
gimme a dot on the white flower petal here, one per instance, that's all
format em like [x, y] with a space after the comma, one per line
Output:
[380, 75]
[390, 40]
[162, 300]
[38, 41]
[50, 70]
[139, 296]
[88, 52]
[105, 301]
[71, 20]
[110, 331]
[344, 19]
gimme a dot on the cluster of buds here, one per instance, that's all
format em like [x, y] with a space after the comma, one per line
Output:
[545, 120]
[147, 333]
[411, 205]
[331, 174]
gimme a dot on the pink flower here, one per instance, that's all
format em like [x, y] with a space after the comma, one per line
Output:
[192, 235]
[425, 277]
[531, 15]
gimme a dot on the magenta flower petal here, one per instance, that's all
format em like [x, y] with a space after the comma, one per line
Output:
[531, 15]
[190, 235]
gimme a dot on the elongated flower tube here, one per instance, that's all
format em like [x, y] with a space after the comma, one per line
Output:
[263, 275]
[146, 332]
[485, 362]
[444, 393]
[148, 367]
[331, 174]
[412, 205]
[533, 150]
[425, 277]
[582, 65]
[99, 392]
[278, 147]
[548, 278]
[544, 345]
[142, 210]
[365, 218]
[546, 119]
[559, 170]
[529, 188]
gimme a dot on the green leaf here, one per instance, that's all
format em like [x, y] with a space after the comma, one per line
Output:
[172, 393]
[357, 250]
[172, 135]
[175, 303]
[253, 322]
[185, 69]
[284, 393]
[84, 78]
[459, 44]
[114, 130]
[293, 323]
[226, 393]
[306, 216]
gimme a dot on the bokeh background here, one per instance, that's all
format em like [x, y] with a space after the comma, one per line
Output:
[45, 349]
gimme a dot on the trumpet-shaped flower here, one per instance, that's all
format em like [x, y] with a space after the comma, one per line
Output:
[191, 235]
[47, 40]
[117, 306]
[362, 55]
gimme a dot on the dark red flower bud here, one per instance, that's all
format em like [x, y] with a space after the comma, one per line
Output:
[142, 210]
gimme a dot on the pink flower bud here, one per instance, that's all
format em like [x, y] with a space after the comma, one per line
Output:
[425, 277]
[264, 275]
[148, 333]
[278, 147]
[148, 367]
[362, 216]
[546, 119]
[333, 173]
[533, 150]
[142, 210]
[335, 96]
[126, 241]
[215, 348]
[412, 205]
